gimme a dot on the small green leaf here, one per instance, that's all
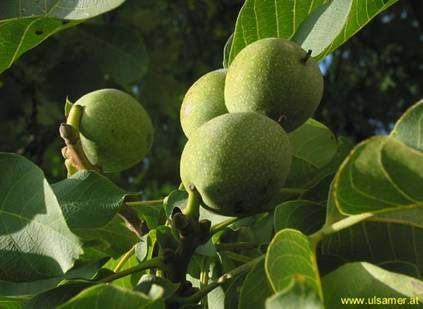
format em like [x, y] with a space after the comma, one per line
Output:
[35, 241]
[207, 249]
[321, 28]
[127, 282]
[226, 51]
[313, 147]
[305, 216]
[290, 255]
[111, 296]
[68, 106]
[409, 128]
[255, 289]
[176, 198]
[297, 295]
[142, 248]
[369, 283]
[156, 287]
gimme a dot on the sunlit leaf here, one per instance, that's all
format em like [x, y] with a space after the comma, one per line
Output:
[35, 242]
[369, 282]
[290, 255]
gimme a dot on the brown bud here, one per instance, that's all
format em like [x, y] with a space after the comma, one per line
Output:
[180, 222]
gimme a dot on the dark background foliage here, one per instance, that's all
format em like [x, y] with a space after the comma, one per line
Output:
[370, 81]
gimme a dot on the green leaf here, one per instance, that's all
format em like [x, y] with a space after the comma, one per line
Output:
[260, 19]
[25, 24]
[127, 282]
[142, 247]
[111, 296]
[232, 292]
[227, 50]
[305, 216]
[369, 283]
[11, 303]
[297, 295]
[320, 25]
[156, 287]
[409, 128]
[88, 200]
[68, 106]
[112, 239]
[207, 249]
[321, 28]
[381, 174]
[153, 215]
[313, 147]
[24, 289]
[360, 14]
[65, 9]
[35, 242]
[57, 296]
[394, 246]
[18, 35]
[255, 289]
[119, 51]
[176, 198]
[290, 255]
[90, 203]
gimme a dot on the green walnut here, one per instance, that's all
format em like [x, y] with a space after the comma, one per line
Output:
[275, 77]
[203, 101]
[115, 130]
[236, 162]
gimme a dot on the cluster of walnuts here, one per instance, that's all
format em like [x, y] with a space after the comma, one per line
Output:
[236, 120]
[238, 154]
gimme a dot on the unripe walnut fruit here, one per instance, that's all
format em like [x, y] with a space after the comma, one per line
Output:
[236, 162]
[275, 77]
[115, 130]
[203, 101]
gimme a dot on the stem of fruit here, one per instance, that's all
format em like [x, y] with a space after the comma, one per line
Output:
[125, 258]
[73, 152]
[192, 210]
[146, 203]
[74, 117]
[153, 263]
[195, 298]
